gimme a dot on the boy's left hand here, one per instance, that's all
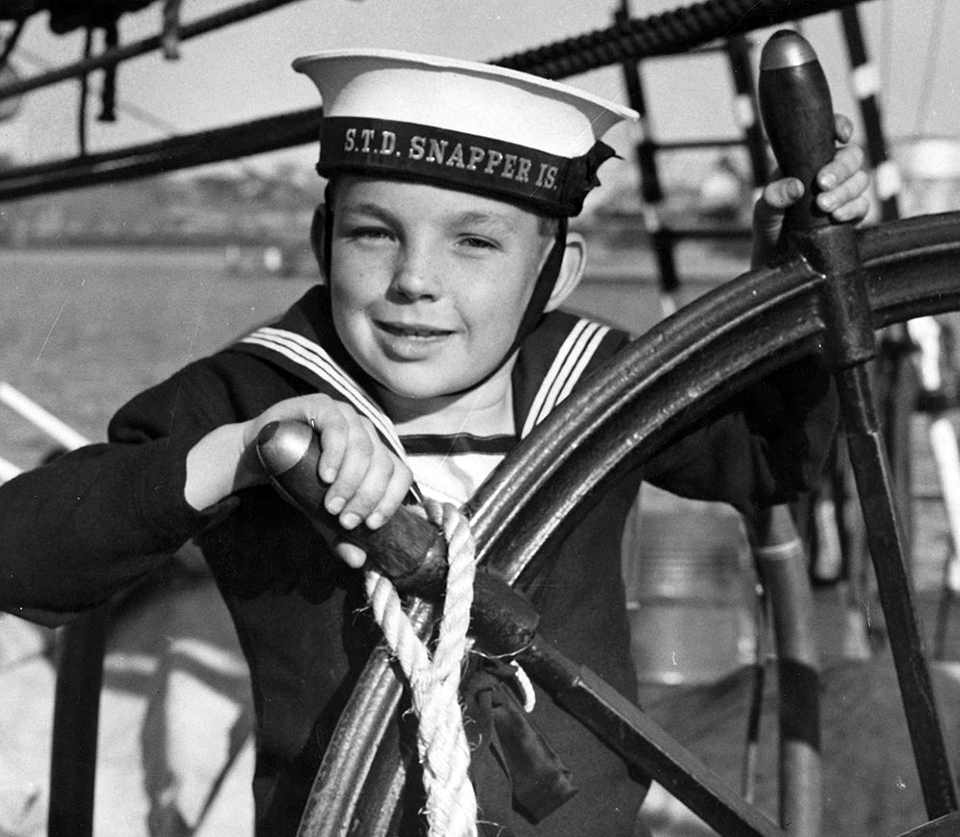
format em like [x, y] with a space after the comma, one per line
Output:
[843, 181]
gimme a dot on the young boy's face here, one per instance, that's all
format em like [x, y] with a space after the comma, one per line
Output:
[429, 285]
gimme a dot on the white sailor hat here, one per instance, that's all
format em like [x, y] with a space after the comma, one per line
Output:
[473, 126]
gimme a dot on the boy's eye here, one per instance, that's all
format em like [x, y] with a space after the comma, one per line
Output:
[478, 242]
[369, 233]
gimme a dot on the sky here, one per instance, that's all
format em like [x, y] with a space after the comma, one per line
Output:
[243, 72]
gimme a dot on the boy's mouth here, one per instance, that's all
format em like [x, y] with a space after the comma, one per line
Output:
[416, 331]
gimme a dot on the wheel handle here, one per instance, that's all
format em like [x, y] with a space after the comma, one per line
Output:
[797, 114]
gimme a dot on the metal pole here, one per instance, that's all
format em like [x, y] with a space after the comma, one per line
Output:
[782, 566]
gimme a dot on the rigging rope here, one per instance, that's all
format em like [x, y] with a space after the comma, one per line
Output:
[886, 52]
[664, 34]
[930, 69]
[670, 32]
[451, 806]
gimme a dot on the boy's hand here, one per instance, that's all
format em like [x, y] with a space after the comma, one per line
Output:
[367, 481]
[844, 196]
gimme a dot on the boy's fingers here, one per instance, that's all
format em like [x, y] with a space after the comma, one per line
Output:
[842, 184]
[351, 554]
[390, 500]
[845, 163]
[842, 128]
[782, 192]
[366, 480]
[357, 452]
[370, 490]
[778, 195]
[849, 192]
[334, 440]
[854, 210]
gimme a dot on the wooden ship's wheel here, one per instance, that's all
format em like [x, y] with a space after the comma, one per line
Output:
[660, 384]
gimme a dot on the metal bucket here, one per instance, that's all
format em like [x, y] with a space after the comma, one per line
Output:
[690, 591]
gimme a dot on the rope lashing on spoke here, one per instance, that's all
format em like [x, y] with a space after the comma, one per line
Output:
[434, 679]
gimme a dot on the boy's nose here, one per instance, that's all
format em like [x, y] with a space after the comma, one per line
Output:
[415, 278]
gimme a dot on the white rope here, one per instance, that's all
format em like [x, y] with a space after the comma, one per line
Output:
[451, 806]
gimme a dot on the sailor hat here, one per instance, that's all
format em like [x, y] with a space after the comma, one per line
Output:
[472, 126]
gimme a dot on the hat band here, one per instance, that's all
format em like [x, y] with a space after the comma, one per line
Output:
[551, 183]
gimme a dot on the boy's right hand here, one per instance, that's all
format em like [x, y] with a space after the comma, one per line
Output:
[367, 481]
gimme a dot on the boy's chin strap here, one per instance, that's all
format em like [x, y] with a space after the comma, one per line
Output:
[542, 290]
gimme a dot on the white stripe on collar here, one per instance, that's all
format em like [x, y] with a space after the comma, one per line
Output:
[579, 346]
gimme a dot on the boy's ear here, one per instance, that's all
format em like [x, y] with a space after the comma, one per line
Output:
[316, 234]
[571, 270]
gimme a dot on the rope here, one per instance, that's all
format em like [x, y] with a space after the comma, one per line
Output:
[667, 33]
[930, 69]
[451, 806]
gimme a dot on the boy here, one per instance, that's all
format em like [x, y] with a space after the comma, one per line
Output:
[433, 346]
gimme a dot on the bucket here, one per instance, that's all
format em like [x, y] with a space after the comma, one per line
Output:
[690, 591]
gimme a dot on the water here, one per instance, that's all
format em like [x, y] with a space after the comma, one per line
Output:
[83, 330]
